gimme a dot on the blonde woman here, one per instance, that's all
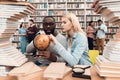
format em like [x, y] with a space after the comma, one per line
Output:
[77, 45]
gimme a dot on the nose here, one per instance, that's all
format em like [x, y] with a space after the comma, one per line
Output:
[61, 24]
[48, 26]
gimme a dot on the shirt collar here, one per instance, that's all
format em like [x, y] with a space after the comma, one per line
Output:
[74, 35]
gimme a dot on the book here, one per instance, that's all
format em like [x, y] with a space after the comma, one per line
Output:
[112, 78]
[56, 70]
[25, 69]
[28, 71]
[107, 73]
[108, 68]
[102, 61]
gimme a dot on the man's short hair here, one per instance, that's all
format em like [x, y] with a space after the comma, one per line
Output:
[31, 20]
[49, 17]
[99, 20]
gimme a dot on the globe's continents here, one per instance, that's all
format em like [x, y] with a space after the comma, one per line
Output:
[41, 42]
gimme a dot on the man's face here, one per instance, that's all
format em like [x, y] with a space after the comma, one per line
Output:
[30, 22]
[48, 25]
[99, 23]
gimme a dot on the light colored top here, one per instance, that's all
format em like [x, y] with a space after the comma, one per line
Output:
[79, 50]
[101, 32]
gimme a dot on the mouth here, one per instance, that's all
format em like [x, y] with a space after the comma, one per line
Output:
[48, 32]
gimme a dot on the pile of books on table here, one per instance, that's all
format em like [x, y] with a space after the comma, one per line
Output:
[108, 64]
[9, 58]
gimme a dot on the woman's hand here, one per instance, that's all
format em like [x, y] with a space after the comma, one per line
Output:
[53, 39]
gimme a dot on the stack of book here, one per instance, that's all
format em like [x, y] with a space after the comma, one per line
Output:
[10, 56]
[11, 13]
[111, 50]
[108, 69]
[108, 64]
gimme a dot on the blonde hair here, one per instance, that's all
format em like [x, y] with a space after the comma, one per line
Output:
[74, 20]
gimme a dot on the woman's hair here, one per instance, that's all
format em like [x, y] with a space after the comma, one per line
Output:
[74, 20]
[21, 25]
[90, 23]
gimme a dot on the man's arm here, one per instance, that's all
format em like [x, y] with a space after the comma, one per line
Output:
[30, 47]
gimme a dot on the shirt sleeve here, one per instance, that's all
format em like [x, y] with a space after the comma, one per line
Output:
[30, 47]
[104, 28]
[60, 59]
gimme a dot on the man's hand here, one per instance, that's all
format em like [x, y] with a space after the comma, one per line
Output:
[44, 54]
[47, 55]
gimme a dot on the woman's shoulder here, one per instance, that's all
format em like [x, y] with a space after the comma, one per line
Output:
[80, 36]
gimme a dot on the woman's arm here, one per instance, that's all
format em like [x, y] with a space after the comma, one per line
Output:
[72, 58]
[89, 30]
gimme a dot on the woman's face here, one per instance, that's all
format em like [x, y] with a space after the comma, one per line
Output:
[66, 24]
[93, 23]
[23, 25]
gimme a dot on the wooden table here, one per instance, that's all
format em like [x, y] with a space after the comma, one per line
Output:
[94, 76]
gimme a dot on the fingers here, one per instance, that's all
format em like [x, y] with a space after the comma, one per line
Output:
[53, 39]
[41, 53]
[44, 54]
[51, 36]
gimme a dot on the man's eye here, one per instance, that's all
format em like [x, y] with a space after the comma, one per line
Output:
[51, 23]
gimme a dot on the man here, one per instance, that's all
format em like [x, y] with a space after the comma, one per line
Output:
[102, 29]
[31, 31]
[49, 28]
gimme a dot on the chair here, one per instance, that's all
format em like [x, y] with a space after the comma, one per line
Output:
[93, 54]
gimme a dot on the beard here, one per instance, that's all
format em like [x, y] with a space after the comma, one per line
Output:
[48, 32]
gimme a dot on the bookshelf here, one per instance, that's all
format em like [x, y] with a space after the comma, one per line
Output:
[56, 8]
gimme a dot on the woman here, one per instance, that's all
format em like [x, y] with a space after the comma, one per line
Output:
[77, 46]
[23, 41]
[90, 34]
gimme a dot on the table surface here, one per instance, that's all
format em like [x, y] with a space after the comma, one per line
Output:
[94, 76]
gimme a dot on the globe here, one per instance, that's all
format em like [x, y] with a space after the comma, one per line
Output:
[41, 42]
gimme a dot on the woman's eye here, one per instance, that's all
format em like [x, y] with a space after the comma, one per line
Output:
[64, 22]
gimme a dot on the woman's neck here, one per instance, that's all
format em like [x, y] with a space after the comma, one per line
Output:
[70, 33]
